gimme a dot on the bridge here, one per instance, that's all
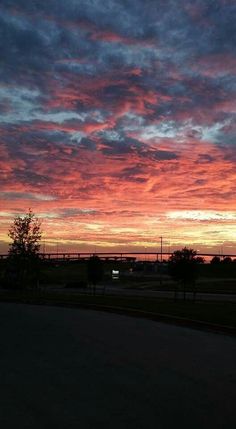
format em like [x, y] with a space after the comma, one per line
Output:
[114, 256]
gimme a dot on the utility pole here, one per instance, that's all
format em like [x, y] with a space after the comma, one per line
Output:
[161, 262]
[161, 246]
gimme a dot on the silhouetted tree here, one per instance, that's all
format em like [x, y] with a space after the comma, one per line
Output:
[95, 271]
[183, 268]
[25, 233]
[226, 260]
[199, 260]
[215, 260]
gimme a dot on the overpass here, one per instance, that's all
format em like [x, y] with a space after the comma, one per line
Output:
[114, 256]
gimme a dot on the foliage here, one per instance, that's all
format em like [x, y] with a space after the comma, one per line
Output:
[25, 234]
[183, 266]
[226, 260]
[23, 263]
[95, 271]
[215, 260]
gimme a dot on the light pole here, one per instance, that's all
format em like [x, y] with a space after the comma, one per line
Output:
[161, 263]
[161, 246]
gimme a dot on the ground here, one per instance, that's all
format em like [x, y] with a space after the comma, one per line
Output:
[70, 368]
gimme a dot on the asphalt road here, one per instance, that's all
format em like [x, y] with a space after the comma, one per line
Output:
[73, 368]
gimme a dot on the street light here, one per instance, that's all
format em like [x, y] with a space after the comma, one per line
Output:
[161, 247]
[161, 264]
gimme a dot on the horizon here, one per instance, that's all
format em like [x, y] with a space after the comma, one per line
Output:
[117, 123]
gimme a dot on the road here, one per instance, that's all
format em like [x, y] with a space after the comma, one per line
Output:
[73, 368]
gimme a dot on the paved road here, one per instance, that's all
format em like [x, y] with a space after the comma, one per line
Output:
[73, 368]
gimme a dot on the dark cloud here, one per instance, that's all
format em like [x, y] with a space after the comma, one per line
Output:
[132, 146]
[73, 212]
[88, 144]
[205, 159]
[37, 38]
[25, 196]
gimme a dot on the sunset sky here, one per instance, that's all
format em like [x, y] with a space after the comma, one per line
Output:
[117, 122]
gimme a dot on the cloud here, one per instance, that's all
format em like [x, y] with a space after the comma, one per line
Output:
[116, 113]
[74, 212]
[25, 196]
[202, 215]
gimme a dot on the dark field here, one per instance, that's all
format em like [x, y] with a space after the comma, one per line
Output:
[66, 284]
[221, 313]
[214, 279]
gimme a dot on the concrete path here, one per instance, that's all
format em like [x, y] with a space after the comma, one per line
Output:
[72, 368]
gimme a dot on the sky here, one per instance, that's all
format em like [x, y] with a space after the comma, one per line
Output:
[117, 123]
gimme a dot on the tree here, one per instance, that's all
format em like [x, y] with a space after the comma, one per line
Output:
[25, 233]
[95, 271]
[183, 267]
[215, 260]
[227, 260]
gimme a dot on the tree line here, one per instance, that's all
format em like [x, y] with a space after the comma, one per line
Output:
[24, 264]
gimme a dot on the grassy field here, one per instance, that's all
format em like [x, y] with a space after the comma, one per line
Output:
[210, 280]
[214, 281]
[223, 313]
[208, 285]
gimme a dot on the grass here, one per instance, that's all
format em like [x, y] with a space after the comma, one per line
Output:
[222, 313]
[202, 285]
[65, 273]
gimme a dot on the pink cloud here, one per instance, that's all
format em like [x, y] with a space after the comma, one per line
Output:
[216, 65]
